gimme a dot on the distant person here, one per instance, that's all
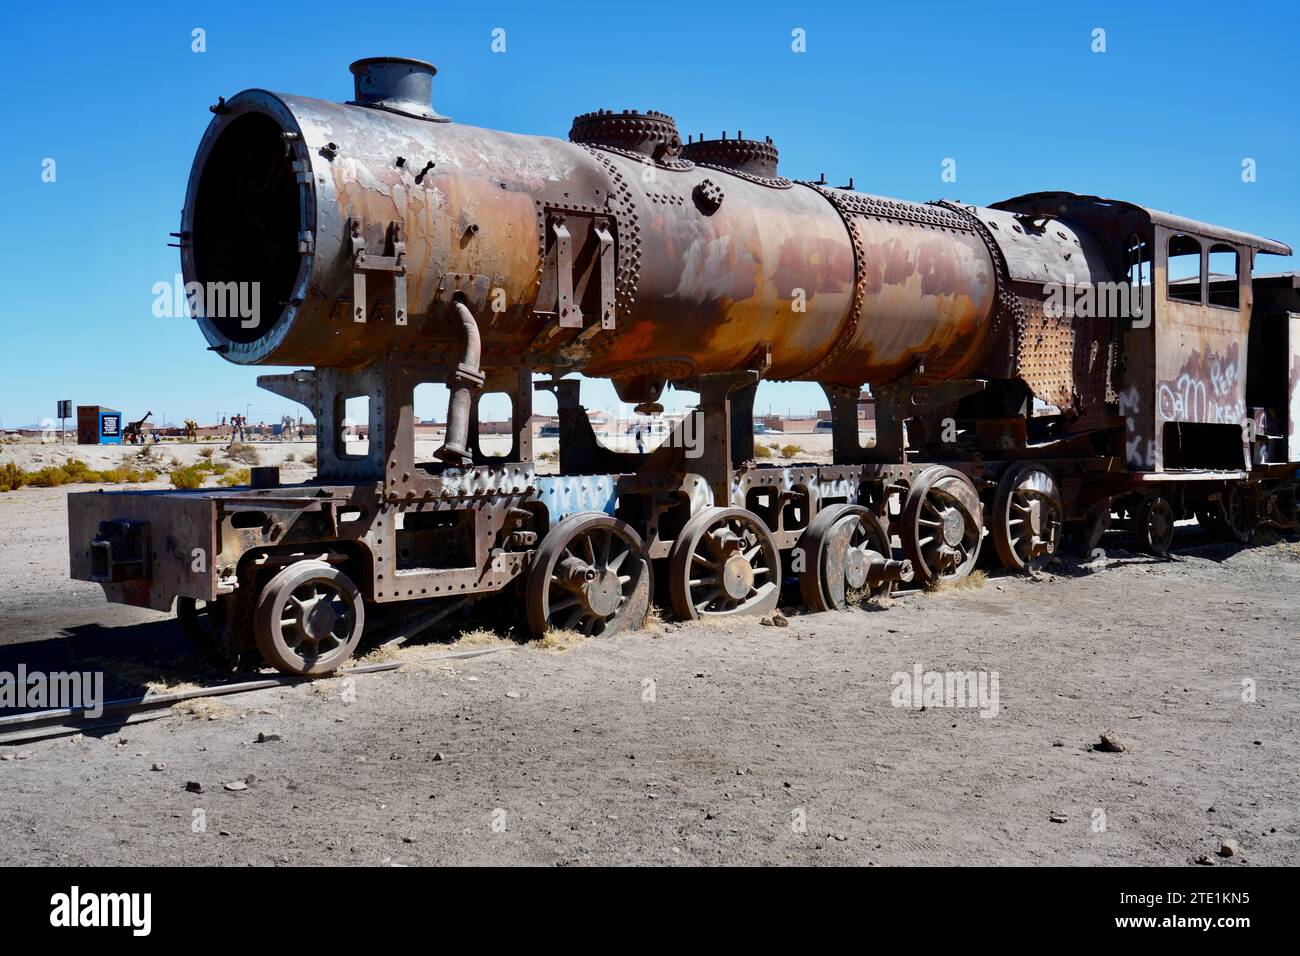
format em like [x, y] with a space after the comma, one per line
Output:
[640, 441]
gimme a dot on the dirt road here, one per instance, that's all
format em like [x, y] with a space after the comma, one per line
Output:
[734, 743]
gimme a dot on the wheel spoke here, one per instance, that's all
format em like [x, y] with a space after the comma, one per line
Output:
[710, 541]
[708, 599]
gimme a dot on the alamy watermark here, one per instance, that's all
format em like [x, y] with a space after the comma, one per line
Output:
[921, 689]
[76, 690]
[1095, 300]
[77, 909]
[211, 300]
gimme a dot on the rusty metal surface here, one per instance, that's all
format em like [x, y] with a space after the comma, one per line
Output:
[753, 159]
[182, 543]
[1115, 218]
[924, 292]
[709, 267]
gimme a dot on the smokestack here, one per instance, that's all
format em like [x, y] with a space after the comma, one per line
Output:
[397, 84]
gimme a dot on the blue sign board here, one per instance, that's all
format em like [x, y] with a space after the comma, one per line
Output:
[110, 428]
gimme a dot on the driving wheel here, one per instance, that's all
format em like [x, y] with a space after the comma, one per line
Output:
[590, 576]
[1027, 517]
[847, 559]
[724, 562]
[942, 525]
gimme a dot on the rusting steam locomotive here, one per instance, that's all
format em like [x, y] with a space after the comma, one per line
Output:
[396, 248]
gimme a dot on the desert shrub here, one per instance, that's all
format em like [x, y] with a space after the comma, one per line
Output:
[232, 478]
[206, 452]
[762, 451]
[310, 458]
[246, 454]
[188, 477]
[291, 457]
[49, 477]
[127, 475]
[789, 451]
[79, 471]
[11, 476]
[73, 471]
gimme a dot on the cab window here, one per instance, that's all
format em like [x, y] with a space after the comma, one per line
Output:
[1183, 272]
[1225, 290]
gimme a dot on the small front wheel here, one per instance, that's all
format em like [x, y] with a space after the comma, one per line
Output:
[309, 619]
[210, 628]
[1154, 524]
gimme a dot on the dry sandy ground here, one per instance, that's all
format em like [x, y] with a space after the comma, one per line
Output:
[699, 744]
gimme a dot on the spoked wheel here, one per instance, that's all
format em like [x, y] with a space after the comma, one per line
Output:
[942, 525]
[1282, 511]
[847, 559]
[591, 576]
[1027, 517]
[1237, 516]
[1154, 525]
[209, 627]
[724, 562]
[1228, 516]
[309, 619]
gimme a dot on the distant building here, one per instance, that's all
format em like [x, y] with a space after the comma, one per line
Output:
[97, 425]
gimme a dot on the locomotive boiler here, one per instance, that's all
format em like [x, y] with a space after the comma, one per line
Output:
[1033, 365]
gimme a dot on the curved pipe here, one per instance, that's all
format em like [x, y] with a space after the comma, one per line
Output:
[464, 384]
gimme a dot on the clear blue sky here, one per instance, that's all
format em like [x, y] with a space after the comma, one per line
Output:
[885, 92]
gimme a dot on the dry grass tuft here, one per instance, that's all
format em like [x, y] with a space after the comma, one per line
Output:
[204, 708]
[149, 678]
[654, 621]
[558, 640]
[972, 582]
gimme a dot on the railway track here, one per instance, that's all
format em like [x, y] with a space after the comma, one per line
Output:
[61, 721]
